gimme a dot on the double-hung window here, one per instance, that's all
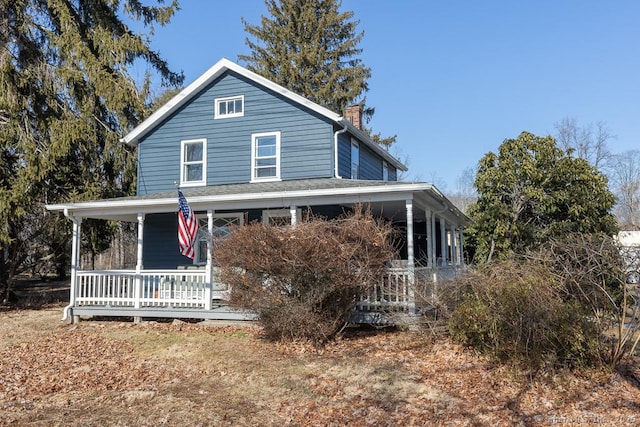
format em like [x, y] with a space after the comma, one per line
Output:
[232, 106]
[385, 171]
[193, 162]
[265, 156]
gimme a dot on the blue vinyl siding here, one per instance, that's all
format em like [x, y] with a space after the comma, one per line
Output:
[370, 162]
[393, 173]
[344, 155]
[306, 138]
[161, 242]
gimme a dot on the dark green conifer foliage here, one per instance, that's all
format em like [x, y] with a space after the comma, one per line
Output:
[311, 48]
[66, 99]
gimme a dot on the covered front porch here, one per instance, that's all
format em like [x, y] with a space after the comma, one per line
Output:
[431, 245]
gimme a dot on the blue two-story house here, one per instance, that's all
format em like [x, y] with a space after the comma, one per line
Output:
[243, 149]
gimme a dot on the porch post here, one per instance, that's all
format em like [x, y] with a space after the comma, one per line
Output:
[461, 248]
[293, 212]
[75, 263]
[208, 281]
[432, 244]
[410, 257]
[444, 246]
[139, 267]
[77, 240]
[427, 220]
[454, 246]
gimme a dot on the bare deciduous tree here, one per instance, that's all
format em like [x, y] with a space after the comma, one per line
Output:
[589, 142]
[465, 194]
[624, 178]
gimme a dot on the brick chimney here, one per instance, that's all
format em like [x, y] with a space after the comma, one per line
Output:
[354, 115]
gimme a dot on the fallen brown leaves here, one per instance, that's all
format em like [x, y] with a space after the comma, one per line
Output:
[75, 360]
[118, 373]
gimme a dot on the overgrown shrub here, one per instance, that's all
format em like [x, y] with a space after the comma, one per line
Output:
[567, 303]
[514, 311]
[303, 281]
[591, 272]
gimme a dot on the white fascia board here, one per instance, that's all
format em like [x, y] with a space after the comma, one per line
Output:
[424, 194]
[211, 74]
[130, 206]
[442, 206]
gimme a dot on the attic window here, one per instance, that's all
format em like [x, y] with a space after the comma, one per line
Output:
[229, 107]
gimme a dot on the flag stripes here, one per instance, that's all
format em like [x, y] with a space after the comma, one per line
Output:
[187, 227]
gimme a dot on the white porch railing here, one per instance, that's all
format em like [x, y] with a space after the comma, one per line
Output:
[396, 290]
[150, 288]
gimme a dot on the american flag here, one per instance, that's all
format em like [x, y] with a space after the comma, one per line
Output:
[187, 227]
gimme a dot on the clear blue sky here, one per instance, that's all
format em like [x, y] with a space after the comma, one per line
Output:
[453, 79]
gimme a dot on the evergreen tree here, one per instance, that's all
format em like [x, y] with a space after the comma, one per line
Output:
[66, 98]
[311, 48]
[531, 191]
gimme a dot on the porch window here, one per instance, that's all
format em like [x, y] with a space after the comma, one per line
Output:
[193, 162]
[355, 159]
[265, 156]
[222, 224]
[279, 217]
[229, 107]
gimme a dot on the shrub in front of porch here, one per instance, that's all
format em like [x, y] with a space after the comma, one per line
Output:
[565, 304]
[303, 281]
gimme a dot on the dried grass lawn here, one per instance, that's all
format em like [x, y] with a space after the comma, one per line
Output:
[113, 373]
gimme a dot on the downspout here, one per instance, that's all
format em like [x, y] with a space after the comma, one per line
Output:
[335, 151]
[74, 264]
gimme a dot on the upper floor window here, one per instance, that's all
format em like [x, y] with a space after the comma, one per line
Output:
[265, 156]
[229, 107]
[355, 159]
[193, 162]
[385, 171]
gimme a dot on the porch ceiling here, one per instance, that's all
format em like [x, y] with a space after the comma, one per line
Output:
[386, 198]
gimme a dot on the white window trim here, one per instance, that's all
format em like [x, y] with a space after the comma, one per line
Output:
[203, 181]
[267, 214]
[355, 144]
[254, 137]
[218, 101]
[385, 171]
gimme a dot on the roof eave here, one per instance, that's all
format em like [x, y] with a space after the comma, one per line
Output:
[363, 136]
[210, 75]
[216, 71]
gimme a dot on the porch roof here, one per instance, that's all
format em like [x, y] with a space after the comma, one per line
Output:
[385, 197]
